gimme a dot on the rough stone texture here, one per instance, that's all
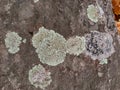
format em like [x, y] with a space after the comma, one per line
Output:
[69, 18]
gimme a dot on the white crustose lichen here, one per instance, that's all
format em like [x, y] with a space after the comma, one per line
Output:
[39, 36]
[12, 42]
[39, 77]
[75, 45]
[95, 13]
[92, 13]
[50, 46]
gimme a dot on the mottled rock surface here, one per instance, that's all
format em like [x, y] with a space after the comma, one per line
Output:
[68, 18]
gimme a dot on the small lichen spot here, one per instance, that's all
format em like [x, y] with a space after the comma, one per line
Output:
[39, 77]
[103, 61]
[12, 42]
[75, 45]
[92, 13]
[35, 1]
[24, 41]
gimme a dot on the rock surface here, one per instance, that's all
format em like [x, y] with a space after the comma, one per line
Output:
[68, 18]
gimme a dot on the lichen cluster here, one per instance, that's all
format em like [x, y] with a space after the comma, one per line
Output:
[95, 13]
[99, 45]
[50, 46]
[92, 13]
[12, 42]
[39, 77]
[75, 45]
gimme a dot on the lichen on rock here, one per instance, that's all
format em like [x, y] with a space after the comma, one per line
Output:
[92, 13]
[75, 45]
[39, 77]
[39, 36]
[103, 61]
[12, 42]
[50, 46]
[24, 40]
[99, 45]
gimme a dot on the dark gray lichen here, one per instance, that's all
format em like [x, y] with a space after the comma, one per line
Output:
[99, 45]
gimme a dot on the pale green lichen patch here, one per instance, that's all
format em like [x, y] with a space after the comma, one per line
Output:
[103, 61]
[39, 77]
[75, 45]
[12, 42]
[38, 37]
[52, 50]
[35, 1]
[50, 46]
[92, 13]
[24, 40]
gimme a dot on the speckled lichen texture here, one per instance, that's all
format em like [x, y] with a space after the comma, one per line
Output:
[68, 18]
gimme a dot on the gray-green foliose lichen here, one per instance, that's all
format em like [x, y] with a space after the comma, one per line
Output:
[50, 46]
[75, 45]
[12, 42]
[39, 77]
